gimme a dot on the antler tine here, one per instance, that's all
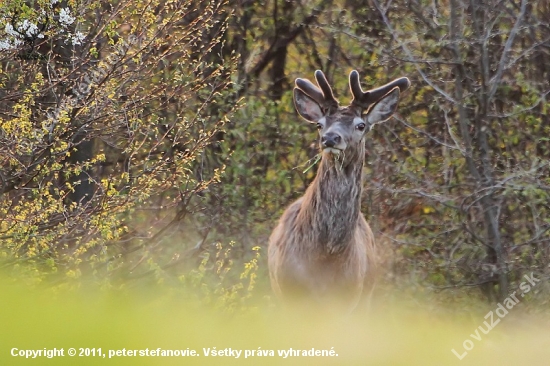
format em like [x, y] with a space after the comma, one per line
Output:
[325, 87]
[324, 95]
[366, 99]
[311, 90]
[355, 86]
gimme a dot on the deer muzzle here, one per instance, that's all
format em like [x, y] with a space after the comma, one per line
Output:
[331, 140]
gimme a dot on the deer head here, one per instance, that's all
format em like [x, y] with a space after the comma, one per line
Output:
[342, 129]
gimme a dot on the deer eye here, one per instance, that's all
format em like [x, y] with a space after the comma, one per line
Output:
[319, 126]
[361, 126]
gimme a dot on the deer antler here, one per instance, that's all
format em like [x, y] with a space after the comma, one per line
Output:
[365, 100]
[323, 96]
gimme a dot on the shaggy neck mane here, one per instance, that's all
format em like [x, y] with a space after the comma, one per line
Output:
[332, 204]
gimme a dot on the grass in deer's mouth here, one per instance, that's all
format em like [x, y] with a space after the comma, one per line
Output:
[315, 160]
[339, 156]
[332, 150]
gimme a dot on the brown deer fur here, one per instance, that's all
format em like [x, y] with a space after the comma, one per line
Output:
[322, 247]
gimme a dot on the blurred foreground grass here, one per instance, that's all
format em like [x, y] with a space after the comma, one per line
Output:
[387, 334]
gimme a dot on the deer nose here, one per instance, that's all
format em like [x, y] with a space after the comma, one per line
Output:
[330, 139]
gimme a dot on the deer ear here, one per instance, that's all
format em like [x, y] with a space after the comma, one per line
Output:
[384, 108]
[306, 106]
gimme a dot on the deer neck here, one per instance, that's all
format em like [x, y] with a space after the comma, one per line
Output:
[332, 204]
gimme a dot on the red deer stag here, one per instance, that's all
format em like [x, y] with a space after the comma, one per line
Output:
[322, 245]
